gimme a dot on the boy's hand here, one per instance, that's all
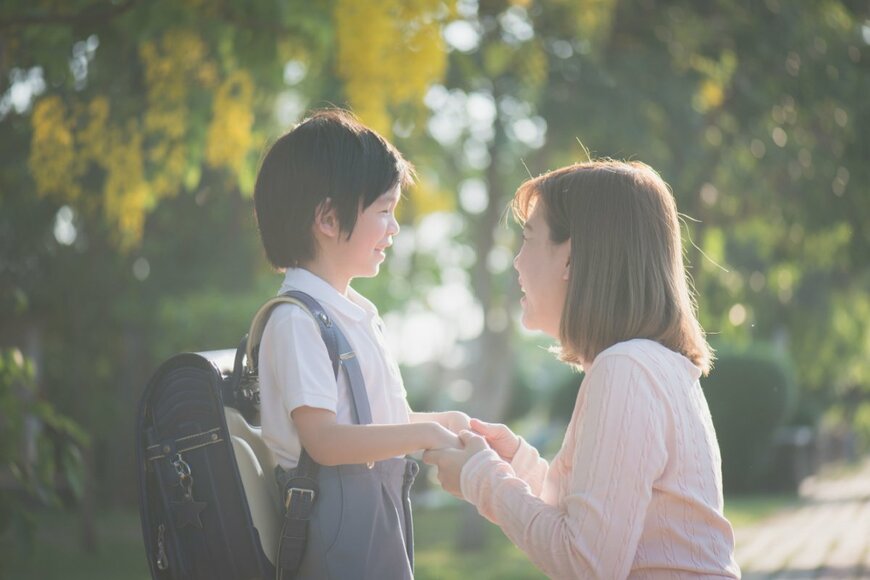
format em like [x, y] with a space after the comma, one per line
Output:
[451, 461]
[499, 437]
[455, 421]
[439, 437]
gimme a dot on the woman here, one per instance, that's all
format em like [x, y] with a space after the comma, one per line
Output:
[636, 489]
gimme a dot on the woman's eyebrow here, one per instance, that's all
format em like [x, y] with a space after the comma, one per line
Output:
[527, 226]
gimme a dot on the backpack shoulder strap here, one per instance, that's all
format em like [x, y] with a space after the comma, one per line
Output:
[341, 354]
[327, 329]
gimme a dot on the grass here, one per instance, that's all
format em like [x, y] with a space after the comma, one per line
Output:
[437, 557]
[746, 510]
[57, 552]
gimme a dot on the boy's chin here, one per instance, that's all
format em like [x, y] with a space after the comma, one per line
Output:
[370, 272]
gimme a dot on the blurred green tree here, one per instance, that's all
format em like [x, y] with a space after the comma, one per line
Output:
[123, 124]
[130, 134]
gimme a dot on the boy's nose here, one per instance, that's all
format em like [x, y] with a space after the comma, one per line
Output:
[394, 226]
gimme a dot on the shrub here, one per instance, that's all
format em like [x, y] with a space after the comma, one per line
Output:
[751, 394]
[38, 450]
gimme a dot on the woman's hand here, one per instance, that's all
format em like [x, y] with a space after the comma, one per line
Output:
[451, 461]
[499, 437]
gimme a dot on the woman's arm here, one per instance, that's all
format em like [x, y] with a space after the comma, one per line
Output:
[525, 460]
[330, 443]
[619, 452]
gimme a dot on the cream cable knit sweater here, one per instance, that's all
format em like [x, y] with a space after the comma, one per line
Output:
[636, 489]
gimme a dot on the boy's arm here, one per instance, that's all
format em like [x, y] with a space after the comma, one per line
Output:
[330, 443]
[454, 421]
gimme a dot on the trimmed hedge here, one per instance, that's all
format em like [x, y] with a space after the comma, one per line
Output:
[751, 394]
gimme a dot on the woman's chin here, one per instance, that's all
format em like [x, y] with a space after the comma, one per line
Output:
[527, 320]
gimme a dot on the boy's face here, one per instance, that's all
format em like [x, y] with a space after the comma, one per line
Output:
[362, 254]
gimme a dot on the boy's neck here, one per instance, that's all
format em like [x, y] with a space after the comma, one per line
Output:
[328, 273]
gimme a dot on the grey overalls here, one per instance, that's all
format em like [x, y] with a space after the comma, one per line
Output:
[360, 526]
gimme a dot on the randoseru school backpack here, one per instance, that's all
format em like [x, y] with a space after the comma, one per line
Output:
[208, 498]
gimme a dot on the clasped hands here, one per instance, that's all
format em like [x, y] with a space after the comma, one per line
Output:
[474, 436]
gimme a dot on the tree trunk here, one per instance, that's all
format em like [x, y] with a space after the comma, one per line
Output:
[491, 370]
[87, 508]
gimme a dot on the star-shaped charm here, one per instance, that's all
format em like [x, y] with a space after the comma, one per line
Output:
[187, 513]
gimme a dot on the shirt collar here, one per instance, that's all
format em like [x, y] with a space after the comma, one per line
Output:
[353, 306]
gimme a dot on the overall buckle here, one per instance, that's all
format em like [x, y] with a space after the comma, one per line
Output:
[288, 500]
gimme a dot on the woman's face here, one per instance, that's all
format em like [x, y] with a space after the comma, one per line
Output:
[543, 272]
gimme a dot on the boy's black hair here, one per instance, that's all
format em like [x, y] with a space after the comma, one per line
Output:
[328, 155]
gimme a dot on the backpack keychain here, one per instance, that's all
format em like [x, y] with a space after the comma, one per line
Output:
[188, 509]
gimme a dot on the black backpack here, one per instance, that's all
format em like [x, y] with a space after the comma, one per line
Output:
[208, 498]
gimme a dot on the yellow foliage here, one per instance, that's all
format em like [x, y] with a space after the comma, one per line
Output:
[389, 62]
[717, 76]
[389, 53]
[92, 138]
[52, 151]
[126, 195]
[710, 95]
[595, 19]
[170, 65]
[229, 134]
[425, 198]
[532, 64]
[69, 139]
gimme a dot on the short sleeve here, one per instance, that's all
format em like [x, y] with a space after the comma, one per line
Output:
[293, 360]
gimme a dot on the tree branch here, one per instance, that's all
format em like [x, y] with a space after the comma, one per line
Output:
[97, 12]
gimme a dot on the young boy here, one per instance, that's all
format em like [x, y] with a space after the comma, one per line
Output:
[325, 199]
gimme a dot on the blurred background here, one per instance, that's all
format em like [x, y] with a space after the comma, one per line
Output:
[130, 136]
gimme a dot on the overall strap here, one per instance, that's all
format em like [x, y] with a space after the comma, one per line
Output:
[362, 410]
[300, 488]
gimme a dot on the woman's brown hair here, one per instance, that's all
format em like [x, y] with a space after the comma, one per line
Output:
[627, 278]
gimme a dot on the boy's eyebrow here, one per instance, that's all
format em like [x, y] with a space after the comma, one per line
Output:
[391, 195]
[527, 226]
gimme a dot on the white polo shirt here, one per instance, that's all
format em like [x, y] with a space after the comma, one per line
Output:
[295, 370]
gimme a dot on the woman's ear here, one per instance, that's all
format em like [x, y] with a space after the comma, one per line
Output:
[565, 254]
[326, 219]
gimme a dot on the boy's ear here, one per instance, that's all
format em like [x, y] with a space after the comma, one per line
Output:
[326, 219]
[566, 273]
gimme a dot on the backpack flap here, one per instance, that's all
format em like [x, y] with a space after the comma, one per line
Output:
[194, 511]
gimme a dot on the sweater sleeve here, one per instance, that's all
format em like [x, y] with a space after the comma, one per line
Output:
[619, 453]
[530, 467]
